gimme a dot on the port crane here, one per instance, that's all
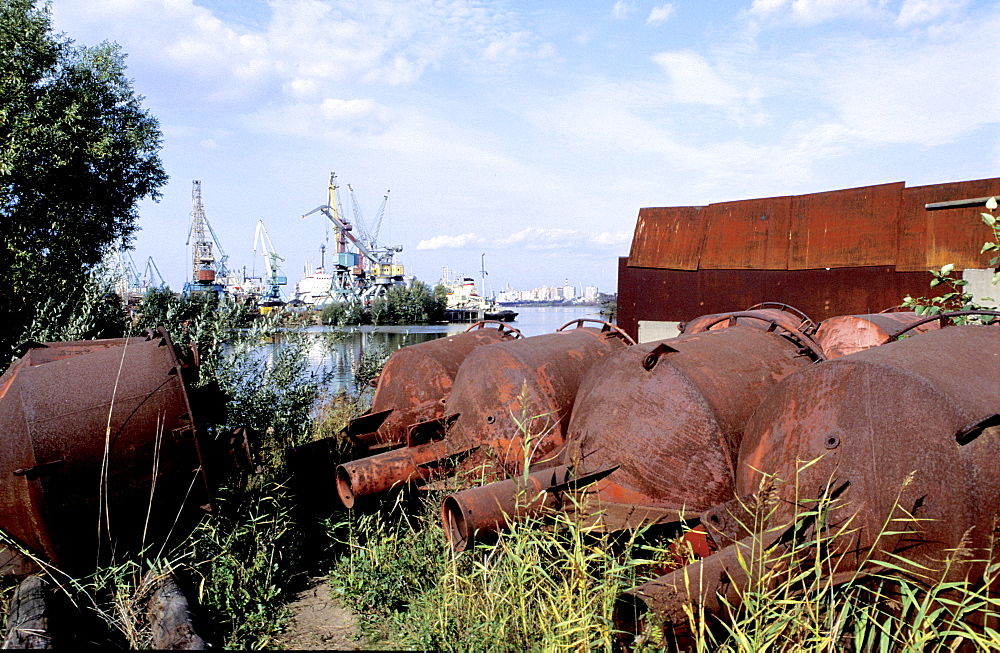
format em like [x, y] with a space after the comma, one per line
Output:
[272, 293]
[206, 269]
[364, 274]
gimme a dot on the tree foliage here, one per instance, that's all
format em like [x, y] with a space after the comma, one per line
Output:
[77, 154]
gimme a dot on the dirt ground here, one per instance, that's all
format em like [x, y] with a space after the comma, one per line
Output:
[320, 623]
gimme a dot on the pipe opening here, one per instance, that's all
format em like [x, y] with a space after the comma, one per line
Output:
[345, 486]
[631, 616]
[456, 526]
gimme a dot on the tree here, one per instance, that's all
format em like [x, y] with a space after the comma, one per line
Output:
[77, 154]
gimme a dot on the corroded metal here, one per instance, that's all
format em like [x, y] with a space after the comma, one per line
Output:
[668, 418]
[901, 442]
[101, 449]
[510, 402]
[848, 334]
[763, 316]
[416, 381]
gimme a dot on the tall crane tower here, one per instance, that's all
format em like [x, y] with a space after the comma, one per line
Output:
[205, 268]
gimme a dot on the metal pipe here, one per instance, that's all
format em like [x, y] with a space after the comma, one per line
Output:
[488, 508]
[957, 204]
[380, 473]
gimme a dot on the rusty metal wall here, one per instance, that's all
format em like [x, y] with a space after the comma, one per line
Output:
[682, 295]
[931, 239]
[670, 237]
[869, 226]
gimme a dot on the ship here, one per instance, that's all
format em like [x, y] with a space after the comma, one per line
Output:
[465, 304]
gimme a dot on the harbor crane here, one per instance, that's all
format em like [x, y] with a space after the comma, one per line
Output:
[206, 269]
[364, 274]
[272, 294]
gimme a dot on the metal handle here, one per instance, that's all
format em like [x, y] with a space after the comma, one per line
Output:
[606, 327]
[501, 326]
[944, 318]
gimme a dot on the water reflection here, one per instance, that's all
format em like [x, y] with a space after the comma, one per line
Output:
[338, 351]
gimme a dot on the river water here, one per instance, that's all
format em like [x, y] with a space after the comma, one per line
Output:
[337, 352]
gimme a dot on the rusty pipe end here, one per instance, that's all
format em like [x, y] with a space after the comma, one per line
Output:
[484, 511]
[631, 617]
[345, 487]
[457, 523]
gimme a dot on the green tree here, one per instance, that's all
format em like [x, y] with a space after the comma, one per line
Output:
[77, 153]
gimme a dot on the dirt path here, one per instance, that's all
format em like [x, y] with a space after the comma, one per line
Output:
[319, 623]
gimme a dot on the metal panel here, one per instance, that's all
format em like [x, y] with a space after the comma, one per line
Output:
[845, 228]
[682, 295]
[670, 237]
[748, 235]
[932, 239]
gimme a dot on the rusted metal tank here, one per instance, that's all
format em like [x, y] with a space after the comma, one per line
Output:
[902, 440]
[848, 334]
[501, 392]
[656, 428]
[100, 449]
[415, 383]
[764, 316]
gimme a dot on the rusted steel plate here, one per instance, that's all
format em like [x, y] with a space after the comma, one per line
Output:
[848, 334]
[415, 382]
[748, 234]
[95, 444]
[682, 295]
[670, 237]
[845, 228]
[932, 239]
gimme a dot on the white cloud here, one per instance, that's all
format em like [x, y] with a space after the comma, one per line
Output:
[661, 13]
[611, 238]
[695, 80]
[811, 12]
[914, 12]
[621, 9]
[447, 242]
[538, 239]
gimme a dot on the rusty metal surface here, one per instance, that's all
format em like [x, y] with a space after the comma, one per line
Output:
[501, 392]
[932, 239]
[747, 234]
[89, 429]
[416, 380]
[670, 414]
[489, 508]
[904, 443]
[886, 224]
[761, 318]
[876, 416]
[524, 389]
[849, 334]
[682, 295]
[854, 227]
[670, 237]
[384, 471]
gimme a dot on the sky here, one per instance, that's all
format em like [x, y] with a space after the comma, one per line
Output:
[524, 136]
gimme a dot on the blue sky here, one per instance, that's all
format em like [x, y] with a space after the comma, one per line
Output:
[532, 132]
